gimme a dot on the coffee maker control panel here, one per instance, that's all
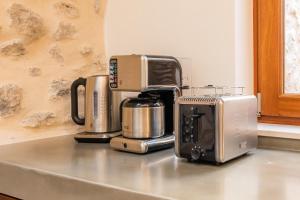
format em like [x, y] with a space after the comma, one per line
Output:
[113, 73]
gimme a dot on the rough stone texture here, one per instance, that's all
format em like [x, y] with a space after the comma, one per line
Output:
[13, 47]
[47, 59]
[39, 119]
[67, 119]
[86, 50]
[67, 9]
[292, 46]
[55, 53]
[26, 22]
[10, 99]
[59, 88]
[64, 31]
[34, 71]
[97, 6]
[101, 60]
[97, 66]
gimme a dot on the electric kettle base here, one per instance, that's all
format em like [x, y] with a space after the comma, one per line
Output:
[142, 146]
[88, 137]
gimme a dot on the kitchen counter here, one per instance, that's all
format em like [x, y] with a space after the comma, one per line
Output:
[60, 168]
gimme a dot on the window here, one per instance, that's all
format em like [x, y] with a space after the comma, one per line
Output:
[292, 47]
[277, 44]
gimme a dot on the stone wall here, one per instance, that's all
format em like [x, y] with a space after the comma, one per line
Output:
[44, 46]
[292, 46]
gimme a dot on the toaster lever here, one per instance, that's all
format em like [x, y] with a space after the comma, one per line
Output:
[197, 115]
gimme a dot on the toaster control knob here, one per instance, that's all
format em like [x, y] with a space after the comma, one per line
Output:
[196, 153]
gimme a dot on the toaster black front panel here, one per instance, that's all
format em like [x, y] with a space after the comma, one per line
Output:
[197, 132]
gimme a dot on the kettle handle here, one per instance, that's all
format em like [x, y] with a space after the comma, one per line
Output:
[74, 100]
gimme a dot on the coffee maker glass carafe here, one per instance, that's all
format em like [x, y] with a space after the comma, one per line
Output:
[102, 106]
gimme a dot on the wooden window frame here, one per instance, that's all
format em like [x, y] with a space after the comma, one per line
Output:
[276, 107]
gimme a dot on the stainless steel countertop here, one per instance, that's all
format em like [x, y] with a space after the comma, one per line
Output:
[59, 168]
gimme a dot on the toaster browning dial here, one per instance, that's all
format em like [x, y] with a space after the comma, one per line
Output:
[197, 152]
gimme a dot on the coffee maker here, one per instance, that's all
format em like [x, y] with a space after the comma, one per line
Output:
[158, 81]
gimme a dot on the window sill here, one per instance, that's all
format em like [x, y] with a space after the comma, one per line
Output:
[279, 131]
[279, 137]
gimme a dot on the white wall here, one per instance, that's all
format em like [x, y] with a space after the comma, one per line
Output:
[244, 59]
[215, 36]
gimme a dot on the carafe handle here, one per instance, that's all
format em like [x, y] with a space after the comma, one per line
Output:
[74, 100]
[121, 109]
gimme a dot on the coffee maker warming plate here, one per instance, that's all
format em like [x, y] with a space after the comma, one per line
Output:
[142, 146]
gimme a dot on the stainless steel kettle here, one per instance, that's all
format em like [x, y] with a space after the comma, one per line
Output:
[102, 109]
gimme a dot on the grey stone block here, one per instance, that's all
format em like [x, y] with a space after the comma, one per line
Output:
[39, 119]
[13, 47]
[10, 99]
[26, 22]
[67, 9]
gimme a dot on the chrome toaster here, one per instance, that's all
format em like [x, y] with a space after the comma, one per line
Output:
[215, 128]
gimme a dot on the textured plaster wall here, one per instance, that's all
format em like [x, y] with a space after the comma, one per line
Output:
[292, 46]
[44, 46]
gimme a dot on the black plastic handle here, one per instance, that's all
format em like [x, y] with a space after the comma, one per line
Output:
[74, 100]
